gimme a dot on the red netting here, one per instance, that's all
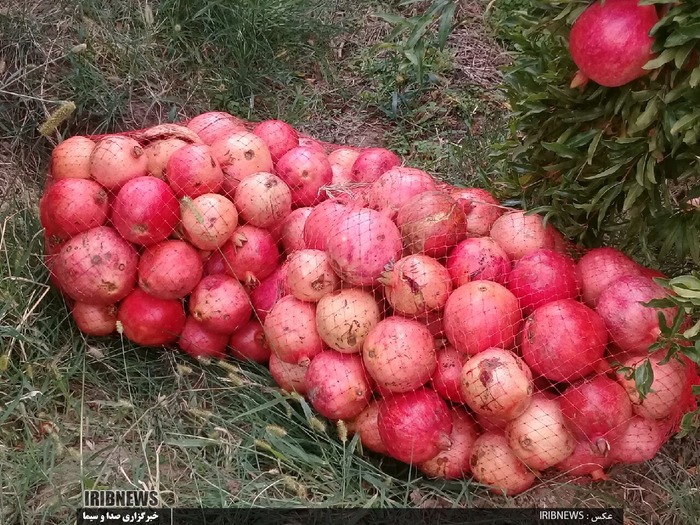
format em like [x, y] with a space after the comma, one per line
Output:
[450, 332]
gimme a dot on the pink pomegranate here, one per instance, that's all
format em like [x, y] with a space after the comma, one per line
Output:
[145, 211]
[399, 354]
[117, 159]
[416, 284]
[564, 340]
[493, 425]
[262, 199]
[345, 317]
[414, 426]
[71, 158]
[308, 142]
[447, 377]
[597, 409]
[305, 171]
[371, 163]
[454, 463]
[478, 258]
[291, 332]
[396, 187]
[338, 385]
[341, 161]
[361, 244]
[149, 321]
[159, 153]
[70, 206]
[248, 343]
[539, 436]
[310, 275]
[199, 341]
[214, 125]
[279, 136]
[95, 319]
[365, 424]
[585, 461]
[600, 267]
[270, 290]
[321, 221]
[192, 171]
[220, 303]
[251, 255]
[209, 220]
[481, 315]
[96, 266]
[641, 441]
[497, 384]
[291, 230]
[170, 269]
[240, 154]
[481, 208]
[431, 223]
[633, 327]
[288, 376]
[597, 48]
[214, 263]
[520, 234]
[493, 463]
[541, 277]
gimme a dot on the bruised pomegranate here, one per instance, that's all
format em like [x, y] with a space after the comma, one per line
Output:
[240, 154]
[251, 255]
[310, 276]
[481, 208]
[454, 463]
[305, 171]
[220, 303]
[345, 317]
[478, 258]
[447, 378]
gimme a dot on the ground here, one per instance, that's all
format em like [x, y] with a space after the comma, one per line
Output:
[79, 412]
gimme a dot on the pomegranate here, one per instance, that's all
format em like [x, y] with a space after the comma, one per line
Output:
[480, 315]
[610, 42]
[290, 327]
[586, 461]
[240, 154]
[95, 319]
[291, 230]
[447, 377]
[251, 255]
[497, 383]
[96, 266]
[220, 303]
[71, 158]
[564, 341]
[321, 221]
[341, 161]
[308, 142]
[70, 206]
[361, 244]
[159, 153]
[170, 269]
[279, 136]
[454, 463]
[493, 463]
[117, 159]
[365, 424]
[414, 426]
[396, 187]
[262, 199]
[539, 436]
[248, 343]
[431, 223]
[371, 163]
[541, 277]
[633, 327]
[599, 268]
[481, 208]
[145, 211]
[208, 220]
[305, 171]
[399, 354]
[667, 386]
[337, 385]
[199, 341]
[478, 258]
[310, 276]
[214, 263]
[149, 321]
[214, 125]
[597, 409]
[493, 425]
[192, 171]
[641, 441]
[416, 284]
[345, 317]
[269, 291]
[289, 377]
[520, 234]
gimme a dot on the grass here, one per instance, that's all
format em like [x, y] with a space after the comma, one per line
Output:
[78, 412]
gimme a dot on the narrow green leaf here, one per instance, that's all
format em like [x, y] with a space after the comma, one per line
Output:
[650, 170]
[561, 150]
[643, 379]
[445, 25]
[392, 19]
[632, 196]
[648, 115]
[664, 58]
[695, 77]
[693, 331]
[685, 121]
[594, 146]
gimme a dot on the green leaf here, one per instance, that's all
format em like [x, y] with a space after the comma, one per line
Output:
[594, 146]
[684, 122]
[647, 117]
[693, 331]
[445, 25]
[561, 150]
[632, 196]
[695, 78]
[643, 378]
[392, 19]
[684, 34]
[664, 58]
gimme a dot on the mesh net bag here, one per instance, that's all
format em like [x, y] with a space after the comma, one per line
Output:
[448, 331]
